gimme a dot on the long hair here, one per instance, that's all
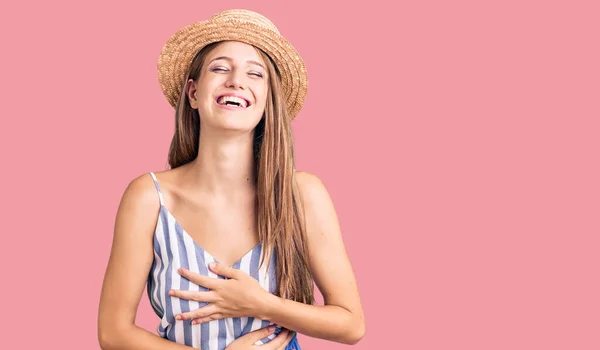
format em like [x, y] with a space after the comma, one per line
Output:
[281, 225]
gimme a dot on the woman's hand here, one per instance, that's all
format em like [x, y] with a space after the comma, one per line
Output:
[247, 342]
[240, 295]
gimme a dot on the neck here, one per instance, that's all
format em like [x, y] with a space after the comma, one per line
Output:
[225, 165]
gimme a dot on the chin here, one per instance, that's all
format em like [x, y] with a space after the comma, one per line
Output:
[235, 123]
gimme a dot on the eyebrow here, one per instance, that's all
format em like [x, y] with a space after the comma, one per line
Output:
[230, 60]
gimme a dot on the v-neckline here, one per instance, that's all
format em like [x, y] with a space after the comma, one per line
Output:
[185, 233]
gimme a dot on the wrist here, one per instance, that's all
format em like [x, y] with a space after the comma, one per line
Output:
[270, 303]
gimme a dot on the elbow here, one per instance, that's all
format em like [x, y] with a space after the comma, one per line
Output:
[355, 333]
[357, 336]
[105, 339]
[108, 338]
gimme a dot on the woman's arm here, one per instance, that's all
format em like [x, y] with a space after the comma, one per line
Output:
[239, 295]
[128, 267]
[341, 319]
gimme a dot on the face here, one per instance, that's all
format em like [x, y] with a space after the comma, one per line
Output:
[231, 91]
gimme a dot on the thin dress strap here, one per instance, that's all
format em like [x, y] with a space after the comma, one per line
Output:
[160, 195]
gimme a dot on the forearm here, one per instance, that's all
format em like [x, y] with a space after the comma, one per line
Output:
[327, 322]
[135, 338]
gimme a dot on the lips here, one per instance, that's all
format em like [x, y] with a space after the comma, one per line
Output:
[232, 100]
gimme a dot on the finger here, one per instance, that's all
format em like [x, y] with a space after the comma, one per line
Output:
[204, 281]
[277, 342]
[258, 334]
[213, 317]
[203, 312]
[288, 339]
[223, 270]
[203, 297]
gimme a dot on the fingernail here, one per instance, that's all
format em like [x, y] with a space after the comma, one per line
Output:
[271, 329]
[178, 317]
[213, 265]
[171, 292]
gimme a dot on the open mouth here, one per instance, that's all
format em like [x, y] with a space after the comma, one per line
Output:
[233, 101]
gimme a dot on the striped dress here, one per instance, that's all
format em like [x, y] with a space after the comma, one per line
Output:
[174, 248]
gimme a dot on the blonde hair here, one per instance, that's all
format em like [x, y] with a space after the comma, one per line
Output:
[281, 227]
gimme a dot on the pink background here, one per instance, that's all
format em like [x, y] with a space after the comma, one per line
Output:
[458, 139]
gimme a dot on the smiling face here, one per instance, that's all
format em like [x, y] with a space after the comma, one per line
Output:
[232, 88]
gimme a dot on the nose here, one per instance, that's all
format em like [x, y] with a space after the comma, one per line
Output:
[234, 80]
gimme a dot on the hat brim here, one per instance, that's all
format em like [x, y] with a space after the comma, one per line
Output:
[177, 54]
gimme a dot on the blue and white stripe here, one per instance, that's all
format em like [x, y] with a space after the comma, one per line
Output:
[174, 248]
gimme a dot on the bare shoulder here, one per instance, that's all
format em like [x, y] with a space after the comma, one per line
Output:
[319, 211]
[311, 187]
[141, 192]
[139, 206]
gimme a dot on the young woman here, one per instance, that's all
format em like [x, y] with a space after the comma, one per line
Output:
[229, 240]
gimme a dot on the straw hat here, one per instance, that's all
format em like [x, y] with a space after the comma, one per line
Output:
[239, 25]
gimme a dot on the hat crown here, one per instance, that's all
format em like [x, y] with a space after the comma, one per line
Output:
[245, 16]
[232, 25]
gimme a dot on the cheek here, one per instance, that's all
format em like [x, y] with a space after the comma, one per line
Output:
[261, 95]
[204, 104]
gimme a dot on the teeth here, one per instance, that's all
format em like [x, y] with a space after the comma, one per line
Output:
[224, 99]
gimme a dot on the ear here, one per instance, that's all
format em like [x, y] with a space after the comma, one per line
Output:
[190, 90]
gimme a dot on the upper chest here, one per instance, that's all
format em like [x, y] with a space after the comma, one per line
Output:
[225, 228]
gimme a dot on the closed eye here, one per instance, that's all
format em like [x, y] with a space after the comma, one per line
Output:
[223, 69]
